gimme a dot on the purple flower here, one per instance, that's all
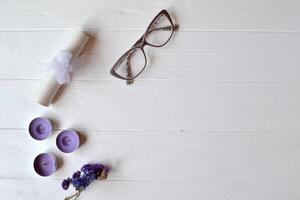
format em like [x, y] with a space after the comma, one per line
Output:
[98, 167]
[91, 167]
[80, 183]
[89, 173]
[65, 184]
[76, 174]
[86, 167]
[106, 169]
[90, 176]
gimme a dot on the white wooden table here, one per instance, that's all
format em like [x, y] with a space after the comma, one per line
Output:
[215, 115]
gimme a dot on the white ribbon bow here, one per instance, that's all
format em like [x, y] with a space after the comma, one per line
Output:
[62, 67]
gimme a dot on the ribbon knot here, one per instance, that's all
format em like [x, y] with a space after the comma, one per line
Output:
[62, 67]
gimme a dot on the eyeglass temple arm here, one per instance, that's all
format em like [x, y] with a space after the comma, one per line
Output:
[129, 71]
[128, 65]
[165, 28]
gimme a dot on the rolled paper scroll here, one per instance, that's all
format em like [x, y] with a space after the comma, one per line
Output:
[59, 69]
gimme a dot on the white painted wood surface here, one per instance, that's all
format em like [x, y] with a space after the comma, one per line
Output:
[214, 116]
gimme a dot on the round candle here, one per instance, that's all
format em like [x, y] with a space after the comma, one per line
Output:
[67, 141]
[40, 128]
[45, 164]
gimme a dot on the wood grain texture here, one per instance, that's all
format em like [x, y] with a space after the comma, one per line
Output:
[160, 190]
[214, 116]
[135, 14]
[201, 56]
[159, 105]
[165, 156]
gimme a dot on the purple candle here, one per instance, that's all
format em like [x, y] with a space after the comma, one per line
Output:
[67, 141]
[40, 128]
[45, 164]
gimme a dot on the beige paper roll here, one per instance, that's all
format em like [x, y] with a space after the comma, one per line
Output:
[49, 85]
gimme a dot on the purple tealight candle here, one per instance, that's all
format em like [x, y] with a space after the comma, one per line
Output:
[67, 141]
[40, 128]
[45, 164]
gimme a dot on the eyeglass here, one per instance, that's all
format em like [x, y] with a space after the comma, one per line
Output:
[132, 63]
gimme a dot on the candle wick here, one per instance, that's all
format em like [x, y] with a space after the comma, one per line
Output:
[40, 129]
[66, 140]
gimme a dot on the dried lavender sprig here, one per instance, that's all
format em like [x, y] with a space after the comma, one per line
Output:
[89, 172]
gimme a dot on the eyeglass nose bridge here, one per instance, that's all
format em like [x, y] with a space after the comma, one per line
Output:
[140, 43]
